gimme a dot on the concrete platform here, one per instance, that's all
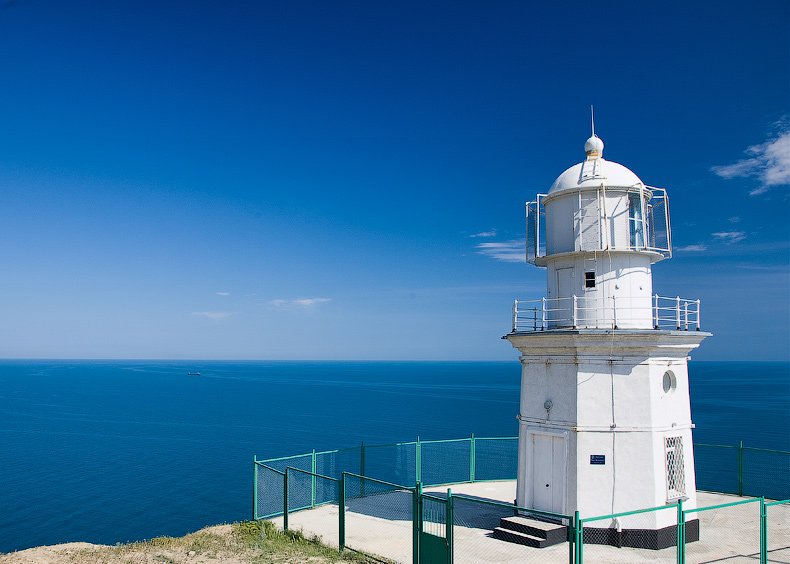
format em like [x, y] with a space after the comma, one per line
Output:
[381, 525]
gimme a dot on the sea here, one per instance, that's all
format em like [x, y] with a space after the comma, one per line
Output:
[115, 451]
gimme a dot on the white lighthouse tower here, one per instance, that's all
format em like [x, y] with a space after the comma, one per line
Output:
[605, 421]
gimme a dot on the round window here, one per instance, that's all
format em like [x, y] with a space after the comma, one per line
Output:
[670, 382]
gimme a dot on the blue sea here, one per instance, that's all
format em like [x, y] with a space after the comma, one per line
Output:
[109, 452]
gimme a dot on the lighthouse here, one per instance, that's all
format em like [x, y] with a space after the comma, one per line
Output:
[604, 418]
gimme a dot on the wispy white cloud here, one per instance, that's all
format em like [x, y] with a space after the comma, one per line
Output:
[508, 251]
[222, 293]
[213, 315]
[734, 219]
[692, 248]
[310, 302]
[769, 162]
[729, 236]
[491, 233]
[299, 303]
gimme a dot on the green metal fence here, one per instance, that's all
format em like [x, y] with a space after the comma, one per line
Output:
[391, 515]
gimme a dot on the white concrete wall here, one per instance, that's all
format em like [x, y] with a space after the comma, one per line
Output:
[622, 293]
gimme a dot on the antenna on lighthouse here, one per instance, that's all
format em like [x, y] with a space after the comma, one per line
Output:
[592, 119]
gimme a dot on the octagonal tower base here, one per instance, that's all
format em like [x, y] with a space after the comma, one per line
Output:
[605, 427]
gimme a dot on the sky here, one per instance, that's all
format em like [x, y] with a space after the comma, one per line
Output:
[346, 180]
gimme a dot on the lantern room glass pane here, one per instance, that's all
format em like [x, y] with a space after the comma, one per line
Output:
[636, 221]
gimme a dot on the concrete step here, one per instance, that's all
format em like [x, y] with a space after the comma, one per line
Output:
[552, 533]
[519, 538]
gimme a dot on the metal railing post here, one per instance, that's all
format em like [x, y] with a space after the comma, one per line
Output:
[448, 528]
[686, 316]
[341, 519]
[572, 540]
[698, 318]
[543, 314]
[472, 453]
[254, 487]
[681, 534]
[312, 481]
[655, 311]
[763, 532]
[418, 459]
[285, 500]
[515, 314]
[677, 312]
[574, 311]
[416, 522]
[740, 468]
[534, 319]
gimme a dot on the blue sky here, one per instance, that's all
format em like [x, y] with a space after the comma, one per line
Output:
[345, 180]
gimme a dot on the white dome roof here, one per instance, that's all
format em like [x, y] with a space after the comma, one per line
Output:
[593, 173]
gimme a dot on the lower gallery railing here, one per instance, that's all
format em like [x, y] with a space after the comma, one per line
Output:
[373, 501]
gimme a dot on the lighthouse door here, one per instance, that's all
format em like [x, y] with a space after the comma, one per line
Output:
[548, 472]
[563, 311]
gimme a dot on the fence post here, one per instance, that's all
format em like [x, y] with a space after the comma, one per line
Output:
[571, 540]
[254, 487]
[740, 468]
[312, 482]
[285, 500]
[763, 532]
[472, 458]
[448, 528]
[416, 518]
[341, 520]
[418, 458]
[579, 538]
[681, 534]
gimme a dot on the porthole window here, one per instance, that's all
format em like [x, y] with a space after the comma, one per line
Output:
[670, 382]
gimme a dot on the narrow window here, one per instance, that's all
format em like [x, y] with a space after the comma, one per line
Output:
[589, 279]
[676, 474]
[635, 219]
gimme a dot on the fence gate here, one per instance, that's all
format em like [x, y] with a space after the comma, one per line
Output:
[435, 528]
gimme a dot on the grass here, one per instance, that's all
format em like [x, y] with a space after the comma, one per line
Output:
[254, 542]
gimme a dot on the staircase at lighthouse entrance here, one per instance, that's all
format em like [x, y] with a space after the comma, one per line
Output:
[530, 532]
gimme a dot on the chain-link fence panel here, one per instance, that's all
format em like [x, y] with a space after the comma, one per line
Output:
[487, 531]
[716, 468]
[312, 505]
[632, 537]
[778, 531]
[395, 463]
[269, 483]
[445, 462]
[496, 458]
[302, 462]
[766, 473]
[379, 518]
[333, 463]
[727, 533]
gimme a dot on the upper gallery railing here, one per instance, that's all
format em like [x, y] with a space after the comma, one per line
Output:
[658, 312]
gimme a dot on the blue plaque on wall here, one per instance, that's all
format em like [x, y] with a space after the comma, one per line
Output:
[597, 459]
